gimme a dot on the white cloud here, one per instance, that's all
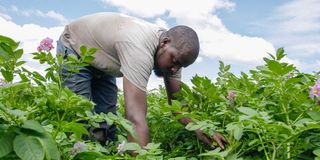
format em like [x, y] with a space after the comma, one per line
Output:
[54, 15]
[299, 16]
[162, 23]
[26, 13]
[49, 14]
[216, 40]
[5, 16]
[14, 8]
[140, 8]
[199, 59]
[29, 36]
[233, 48]
[296, 27]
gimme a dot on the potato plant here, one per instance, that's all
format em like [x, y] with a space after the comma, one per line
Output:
[270, 113]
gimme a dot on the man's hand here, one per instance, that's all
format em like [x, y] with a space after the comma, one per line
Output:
[173, 86]
[216, 136]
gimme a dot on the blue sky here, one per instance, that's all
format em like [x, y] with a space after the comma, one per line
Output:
[238, 32]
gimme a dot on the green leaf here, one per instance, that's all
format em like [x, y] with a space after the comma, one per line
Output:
[267, 60]
[238, 132]
[253, 142]
[275, 66]
[316, 152]
[6, 141]
[28, 147]
[83, 50]
[33, 125]
[8, 41]
[92, 51]
[178, 158]
[192, 126]
[88, 59]
[280, 54]
[72, 58]
[247, 111]
[50, 147]
[38, 76]
[5, 52]
[274, 58]
[227, 68]
[18, 53]
[315, 115]
[131, 147]
[89, 156]
[20, 63]
[221, 65]
[151, 146]
[8, 76]
[212, 153]
[17, 112]
[77, 128]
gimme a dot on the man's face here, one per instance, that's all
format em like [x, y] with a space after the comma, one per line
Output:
[168, 60]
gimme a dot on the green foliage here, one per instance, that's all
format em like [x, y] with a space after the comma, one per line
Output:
[23, 105]
[264, 114]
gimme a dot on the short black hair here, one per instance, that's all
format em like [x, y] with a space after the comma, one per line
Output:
[184, 38]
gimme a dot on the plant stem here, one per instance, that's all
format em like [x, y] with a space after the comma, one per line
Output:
[288, 150]
[286, 114]
[264, 148]
[274, 151]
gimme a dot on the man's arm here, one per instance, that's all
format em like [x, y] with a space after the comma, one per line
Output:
[173, 86]
[135, 110]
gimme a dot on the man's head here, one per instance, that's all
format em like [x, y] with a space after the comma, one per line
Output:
[178, 47]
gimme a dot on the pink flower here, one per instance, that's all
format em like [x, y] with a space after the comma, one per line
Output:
[121, 147]
[45, 45]
[315, 90]
[231, 95]
[290, 75]
[2, 82]
[78, 147]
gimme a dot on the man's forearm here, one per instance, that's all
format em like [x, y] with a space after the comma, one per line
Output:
[142, 132]
[172, 86]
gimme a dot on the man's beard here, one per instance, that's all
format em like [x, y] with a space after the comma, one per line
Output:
[157, 71]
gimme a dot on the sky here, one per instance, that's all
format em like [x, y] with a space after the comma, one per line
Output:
[237, 32]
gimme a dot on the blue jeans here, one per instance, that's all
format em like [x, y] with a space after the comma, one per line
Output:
[94, 84]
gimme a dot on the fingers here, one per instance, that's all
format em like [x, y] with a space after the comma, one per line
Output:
[203, 137]
[218, 138]
[206, 140]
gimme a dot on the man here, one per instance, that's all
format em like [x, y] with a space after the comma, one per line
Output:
[130, 48]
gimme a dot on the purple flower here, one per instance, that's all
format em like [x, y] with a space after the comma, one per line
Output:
[45, 45]
[231, 95]
[315, 90]
[78, 147]
[2, 82]
[290, 75]
[121, 147]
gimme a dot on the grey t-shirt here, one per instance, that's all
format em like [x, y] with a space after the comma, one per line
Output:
[127, 45]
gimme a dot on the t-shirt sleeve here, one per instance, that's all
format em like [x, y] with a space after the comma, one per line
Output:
[136, 63]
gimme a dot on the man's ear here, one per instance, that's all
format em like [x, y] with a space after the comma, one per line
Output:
[164, 41]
